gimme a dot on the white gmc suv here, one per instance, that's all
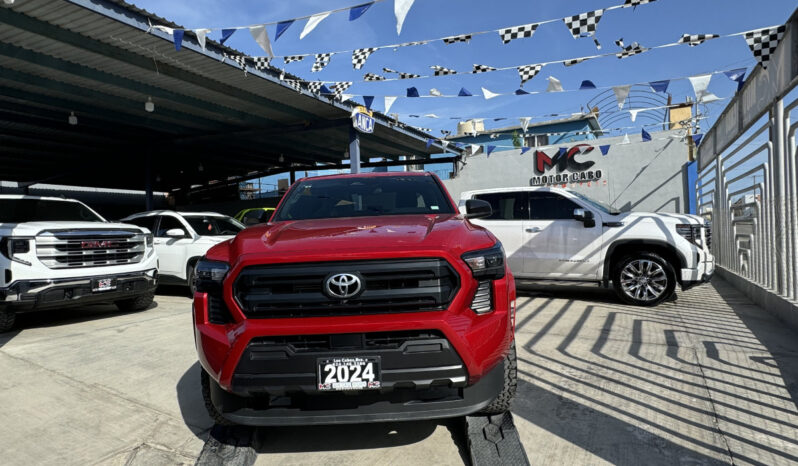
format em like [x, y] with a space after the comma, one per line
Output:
[560, 235]
[58, 253]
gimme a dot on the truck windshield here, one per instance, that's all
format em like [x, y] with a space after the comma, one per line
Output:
[606, 208]
[45, 210]
[362, 197]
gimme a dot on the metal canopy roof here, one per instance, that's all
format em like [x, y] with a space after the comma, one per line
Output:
[211, 120]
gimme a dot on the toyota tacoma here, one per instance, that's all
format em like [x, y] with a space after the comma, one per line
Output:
[366, 298]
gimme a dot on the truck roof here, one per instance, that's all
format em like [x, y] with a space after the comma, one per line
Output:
[369, 175]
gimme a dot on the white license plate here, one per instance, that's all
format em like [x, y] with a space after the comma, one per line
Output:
[349, 373]
[103, 284]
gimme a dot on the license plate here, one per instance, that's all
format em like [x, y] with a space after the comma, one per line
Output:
[103, 284]
[349, 373]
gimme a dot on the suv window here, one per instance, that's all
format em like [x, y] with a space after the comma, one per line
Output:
[213, 226]
[551, 206]
[167, 223]
[144, 222]
[506, 206]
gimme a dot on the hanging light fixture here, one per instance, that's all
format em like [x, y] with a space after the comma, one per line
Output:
[73, 120]
[281, 159]
[149, 105]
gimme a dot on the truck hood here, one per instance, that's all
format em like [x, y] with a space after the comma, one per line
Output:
[661, 217]
[363, 234]
[34, 228]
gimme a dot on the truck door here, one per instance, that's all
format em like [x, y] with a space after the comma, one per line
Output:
[510, 211]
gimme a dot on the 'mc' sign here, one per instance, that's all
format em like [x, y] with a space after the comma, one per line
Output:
[565, 159]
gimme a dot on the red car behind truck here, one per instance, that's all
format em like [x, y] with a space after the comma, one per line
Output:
[366, 298]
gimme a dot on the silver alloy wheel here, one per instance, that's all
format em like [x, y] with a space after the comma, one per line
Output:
[643, 280]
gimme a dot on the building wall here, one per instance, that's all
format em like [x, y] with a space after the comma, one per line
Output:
[642, 176]
[506, 139]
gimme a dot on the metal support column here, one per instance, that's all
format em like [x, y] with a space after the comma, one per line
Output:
[780, 195]
[354, 150]
[148, 181]
[293, 176]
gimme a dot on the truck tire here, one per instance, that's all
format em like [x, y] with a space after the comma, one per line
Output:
[643, 279]
[217, 417]
[501, 403]
[139, 303]
[7, 319]
[192, 285]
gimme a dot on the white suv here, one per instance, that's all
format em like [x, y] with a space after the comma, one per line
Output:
[58, 253]
[558, 234]
[181, 238]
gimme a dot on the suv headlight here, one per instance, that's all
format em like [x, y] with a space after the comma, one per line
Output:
[10, 247]
[148, 237]
[486, 263]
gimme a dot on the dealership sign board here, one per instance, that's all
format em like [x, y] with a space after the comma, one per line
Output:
[363, 120]
[567, 168]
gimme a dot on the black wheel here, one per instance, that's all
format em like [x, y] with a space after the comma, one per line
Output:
[192, 283]
[502, 402]
[643, 279]
[217, 417]
[7, 319]
[139, 303]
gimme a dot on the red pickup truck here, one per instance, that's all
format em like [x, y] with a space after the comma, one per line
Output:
[366, 298]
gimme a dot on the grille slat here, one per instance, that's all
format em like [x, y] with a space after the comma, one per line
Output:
[74, 249]
[296, 290]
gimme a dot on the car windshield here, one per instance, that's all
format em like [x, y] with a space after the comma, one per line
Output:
[45, 210]
[606, 208]
[363, 196]
[209, 225]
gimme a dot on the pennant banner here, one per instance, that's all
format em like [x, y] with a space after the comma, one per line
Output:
[764, 42]
[400, 10]
[313, 21]
[517, 32]
[322, 60]
[360, 56]
[696, 39]
[584, 24]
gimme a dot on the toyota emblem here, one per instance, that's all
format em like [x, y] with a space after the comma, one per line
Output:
[343, 285]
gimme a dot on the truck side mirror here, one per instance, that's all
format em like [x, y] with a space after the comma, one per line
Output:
[585, 216]
[477, 208]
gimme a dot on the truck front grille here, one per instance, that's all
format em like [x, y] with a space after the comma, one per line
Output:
[72, 249]
[389, 286]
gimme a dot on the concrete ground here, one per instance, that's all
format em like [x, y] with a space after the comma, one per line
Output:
[708, 378]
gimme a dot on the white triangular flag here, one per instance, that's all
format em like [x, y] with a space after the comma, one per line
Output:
[389, 100]
[525, 123]
[621, 92]
[554, 85]
[625, 139]
[400, 9]
[475, 148]
[700, 84]
[345, 97]
[165, 29]
[431, 115]
[435, 92]
[633, 113]
[444, 143]
[262, 38]
[313, 21]
[488, 94]
[200, 33]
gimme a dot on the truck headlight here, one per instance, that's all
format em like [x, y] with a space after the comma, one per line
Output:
[486, 263]
[691, 233]
[209, 275]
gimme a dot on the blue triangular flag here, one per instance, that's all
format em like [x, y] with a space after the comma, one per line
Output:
[737, 75]
[412, 92]
[660, 86]
[604, 149]
[490, 149]
[281, 27]
[521, 92]
[357, 11]
[458, 145]
[226, 33]
[697, 139]
[429, 142]
[524, 150]
[464, 93]
[178, 36]
[645, 135]
[587, 84]
[325, 90]
[368, 100]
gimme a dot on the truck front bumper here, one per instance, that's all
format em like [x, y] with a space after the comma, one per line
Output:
[30, 295]
[703, 272]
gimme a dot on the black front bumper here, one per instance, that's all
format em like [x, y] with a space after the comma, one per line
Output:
[422, 378]
[31, 295]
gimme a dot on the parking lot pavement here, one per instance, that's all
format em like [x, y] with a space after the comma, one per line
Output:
[708, 378]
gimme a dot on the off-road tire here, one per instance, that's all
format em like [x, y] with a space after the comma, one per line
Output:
[217, 417]
[192, 285]
[650, 256]
[139, 303]
[502, 402]
[7, 318]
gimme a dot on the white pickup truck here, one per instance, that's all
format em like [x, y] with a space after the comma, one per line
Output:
[58, 253]
[556, 234]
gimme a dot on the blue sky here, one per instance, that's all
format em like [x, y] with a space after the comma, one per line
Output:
[656, 23]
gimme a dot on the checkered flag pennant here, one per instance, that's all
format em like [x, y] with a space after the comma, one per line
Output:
[340, 87]
[408, 76]
[482, 69]
[636, 2]
[322, 60]
[373, 77]
[360, 56]
[574, 61]
[454, 39]
[441, 71]
[240, 59]
[528, 72]
[764, 42]
[696, 39]
[292, 58]
[583, 24]
[631, 50]
[294, 83]
[517, 32]
[262, 63]
[315, 86]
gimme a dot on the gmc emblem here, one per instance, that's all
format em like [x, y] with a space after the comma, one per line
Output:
[97, 244]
